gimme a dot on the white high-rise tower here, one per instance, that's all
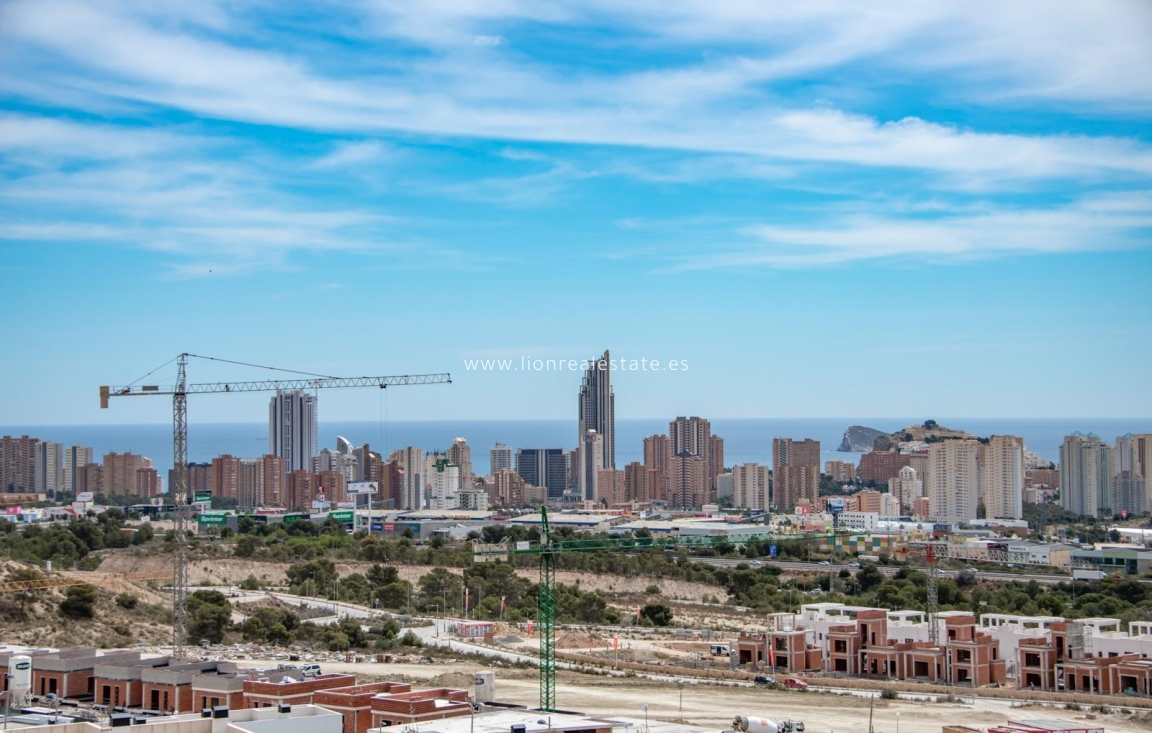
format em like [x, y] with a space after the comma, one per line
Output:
[292, 429]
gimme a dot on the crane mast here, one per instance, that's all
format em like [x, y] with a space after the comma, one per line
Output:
[179, 488]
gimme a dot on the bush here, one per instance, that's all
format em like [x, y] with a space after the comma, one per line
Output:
[889, 695]
[79, 602]
[652, 590]
[656, 614]
[409, 638]
[127, 601]
[250, 583]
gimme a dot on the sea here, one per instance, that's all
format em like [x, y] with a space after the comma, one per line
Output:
[745, 439]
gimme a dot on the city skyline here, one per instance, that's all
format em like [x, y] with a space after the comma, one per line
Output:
[938, 201]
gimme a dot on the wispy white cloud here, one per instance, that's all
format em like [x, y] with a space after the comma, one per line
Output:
[350, 154]
[1099, 223]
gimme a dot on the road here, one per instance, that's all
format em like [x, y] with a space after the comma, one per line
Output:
[813, 567]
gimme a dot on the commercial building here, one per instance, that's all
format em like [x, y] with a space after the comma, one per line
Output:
[292, 429]
[596, 410]
[1085, 475]
[1003, 477]
[952, 479]
[544, 467]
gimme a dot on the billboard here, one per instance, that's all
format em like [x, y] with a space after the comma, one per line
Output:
[13, 510]
[290, 518]
[836, 505]
[85, 497]
[342, 516]
[363, 487]
[203, 497]
[211, 518]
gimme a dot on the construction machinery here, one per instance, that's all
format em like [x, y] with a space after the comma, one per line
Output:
[179, 488]
[548, 549]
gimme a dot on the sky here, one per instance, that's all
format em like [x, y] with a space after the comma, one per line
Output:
[819, 209]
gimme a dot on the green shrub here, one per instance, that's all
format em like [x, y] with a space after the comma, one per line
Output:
[652, 590]
[127, 601]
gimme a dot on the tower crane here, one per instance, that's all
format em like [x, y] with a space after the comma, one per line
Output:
[549, 549]
[179, 393]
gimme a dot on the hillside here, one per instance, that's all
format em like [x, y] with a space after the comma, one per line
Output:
[928, 432]
[859, 439]
[34, 618]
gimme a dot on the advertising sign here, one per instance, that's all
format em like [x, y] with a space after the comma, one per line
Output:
[290, 518]
[211, 518]
[363, 487]
[836, 505]
[203, 497]
[389, 527]
[342, 516]
[377, 526]
[85, 497]
[772, 551]
[13, 510]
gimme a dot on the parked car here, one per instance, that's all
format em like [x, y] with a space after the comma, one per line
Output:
[311, 670]
[823, 562]
[794, 684]
[763, 679]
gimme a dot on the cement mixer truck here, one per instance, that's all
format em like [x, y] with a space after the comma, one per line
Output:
[751, 724]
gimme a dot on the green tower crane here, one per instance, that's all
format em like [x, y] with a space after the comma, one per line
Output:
[548, 550]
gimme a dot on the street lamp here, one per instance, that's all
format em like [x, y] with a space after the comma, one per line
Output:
[897, 721]
[645, 717]
[680, 684]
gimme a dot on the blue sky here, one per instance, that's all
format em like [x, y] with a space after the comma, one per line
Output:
[825, 209]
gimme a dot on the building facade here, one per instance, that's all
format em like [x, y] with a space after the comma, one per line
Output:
[1085, 475]
[499, 458]
[952, 479]
[596, 408]
[293, 423]
[1003, 472]
[751, 487]
[544, 467]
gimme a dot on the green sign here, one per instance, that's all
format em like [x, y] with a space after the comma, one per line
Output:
[204, 497]
[290, 518]
[211, 518]
[343, 516]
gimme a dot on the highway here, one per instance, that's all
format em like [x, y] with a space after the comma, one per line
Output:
[813, 567]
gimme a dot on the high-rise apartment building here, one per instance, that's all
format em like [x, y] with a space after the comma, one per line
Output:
[1129, 493]
[879, 466]
[636, 482]
[689, 487]
[1085, 475]
[544, 467]
[952, 468]
[250, 484]
[332, 485]
[18, 464]
[49, 467]
[119, 474]
[300, 488]
[658, 457]
[460, 453]
[411, 463]
[147, 482]
[1002, 466]
[345, 463]
[715, 463]
[224, 477]
[293, 422]
[692, 436]
[444, 484]
[1142, 461]
[843, 472]
[750, 487]
[596, 408]
[795, 472]
[508, 488]
[75, 458]
[499, 458]
[610, 489]
[906, 488]
[591, 463]
[724, 486]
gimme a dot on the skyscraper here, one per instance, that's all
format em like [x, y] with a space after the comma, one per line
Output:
[499, 457]
[689, 481]
[906, 488]
[75, 458]
[1003, 472]
[795, 472]
[49, 467]
[597, 407]
[460, 453]
[18, 464]
[750, 487]
[658, 457]
[591, 463]
[1085, 475]
[119, 474]
[444, 484]
[292, 429]
[544, 467]
[224, 477]
[610, 489]
[411, 462]
[1133, 453]
[953, 470]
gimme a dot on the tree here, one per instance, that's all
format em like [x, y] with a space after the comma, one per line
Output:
[657, 613]
[209, 615]
[79, 602]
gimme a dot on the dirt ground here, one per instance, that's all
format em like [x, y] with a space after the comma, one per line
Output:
[713, 707]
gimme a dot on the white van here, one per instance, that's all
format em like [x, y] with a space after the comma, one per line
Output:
[311, 670]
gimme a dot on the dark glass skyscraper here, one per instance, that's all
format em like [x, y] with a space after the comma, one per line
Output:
[597, 407]
[544, 467]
